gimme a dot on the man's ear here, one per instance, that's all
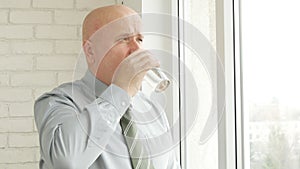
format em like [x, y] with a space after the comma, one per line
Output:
[89, 52]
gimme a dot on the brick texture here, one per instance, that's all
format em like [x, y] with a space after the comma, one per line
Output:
[4, 79]
[4, 47]
[32, 47]
[3, 16]
[15, 4]
[56, 63]
[69, 17]
[91, 4]
[67, 47]
[3, 140]
[64, 77]
[30, 79]
[21, 109]
[40, 90]
[16, 63]
[26, 17]
[40, 41]
[23, 140]
[16, 125]
[12, 94]
[3, 110]
[54, 4]
[56, 32]
[16, 31]
[18, 166]
[23, 155]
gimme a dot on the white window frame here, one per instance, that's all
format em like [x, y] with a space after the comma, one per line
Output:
[231, 139]
[230, 46]
[231, 154]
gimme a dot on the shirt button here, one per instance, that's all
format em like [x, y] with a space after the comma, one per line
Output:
[123, 104]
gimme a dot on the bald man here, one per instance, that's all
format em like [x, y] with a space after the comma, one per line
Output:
[81, 124]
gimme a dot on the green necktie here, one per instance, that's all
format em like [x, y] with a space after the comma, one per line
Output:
[138, 154]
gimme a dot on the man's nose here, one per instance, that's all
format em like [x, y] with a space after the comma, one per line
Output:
[134, 45]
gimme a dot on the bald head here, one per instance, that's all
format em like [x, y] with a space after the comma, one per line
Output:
[102, 16]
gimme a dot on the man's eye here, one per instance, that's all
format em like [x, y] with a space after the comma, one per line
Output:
[140, 40]
[125, 39]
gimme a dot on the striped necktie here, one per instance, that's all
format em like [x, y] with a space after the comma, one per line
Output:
[138, 154]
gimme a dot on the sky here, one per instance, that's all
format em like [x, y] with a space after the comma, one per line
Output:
[270, 50]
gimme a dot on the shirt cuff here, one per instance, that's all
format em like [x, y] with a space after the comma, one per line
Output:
[117, 97]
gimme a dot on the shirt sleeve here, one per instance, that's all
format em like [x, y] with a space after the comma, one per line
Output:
[73, 138]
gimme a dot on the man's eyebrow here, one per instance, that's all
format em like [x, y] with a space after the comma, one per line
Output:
[141, 35]
[121, 36]
[125, 35]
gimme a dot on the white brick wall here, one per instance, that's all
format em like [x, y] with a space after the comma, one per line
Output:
[23, 140]
[11, 155]
[3, 16]
[3, 110]
[16, 31]
[50, 63]
[3, 140]
[69, 17]
[13, 94]
[54, 4]
[27, 17]
[88, 4]
[4, 47]
[33, 79]
[4, 79]
[39, 44]
[67, 47]
[56, 32]
[23, 166]
[16, 124]
[40, 90]
[65, 77]
[15, 4]
[21, 109]
[32, 47]
[16, 63]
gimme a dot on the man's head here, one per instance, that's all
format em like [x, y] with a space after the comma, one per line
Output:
[109, 35]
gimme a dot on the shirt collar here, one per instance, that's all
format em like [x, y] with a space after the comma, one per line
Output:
[93, 83]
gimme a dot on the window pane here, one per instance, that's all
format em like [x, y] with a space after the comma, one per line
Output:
[200, 155]
[271, 95]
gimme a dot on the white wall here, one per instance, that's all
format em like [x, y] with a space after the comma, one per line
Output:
[39, 44]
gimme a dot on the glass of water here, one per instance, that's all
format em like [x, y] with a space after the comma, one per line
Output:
[157, 80]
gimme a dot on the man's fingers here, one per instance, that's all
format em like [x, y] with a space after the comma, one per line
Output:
[132, 69]
[144, 60]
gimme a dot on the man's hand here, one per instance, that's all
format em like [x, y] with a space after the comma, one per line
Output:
[131, 71]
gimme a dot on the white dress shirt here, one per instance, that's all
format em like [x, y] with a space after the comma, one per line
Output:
[78, 125]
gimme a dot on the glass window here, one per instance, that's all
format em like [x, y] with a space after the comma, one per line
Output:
[200, 142]
[270, 62]
[200, 154]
